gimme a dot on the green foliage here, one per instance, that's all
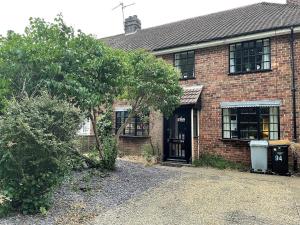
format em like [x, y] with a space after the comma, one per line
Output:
[75, 162]
[152, 83]
[71, 65]
[149, 84]
[5, 206]
[36, 135]
[215, 161]
[4, 92]
[74, 66]
[105, 123]
[148, 153]
[110, 153]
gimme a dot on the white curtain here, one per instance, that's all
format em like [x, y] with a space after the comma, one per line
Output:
[274, 123]
[226, 123]
[266, 55]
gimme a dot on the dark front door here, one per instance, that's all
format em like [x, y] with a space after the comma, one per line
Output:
[177, 140]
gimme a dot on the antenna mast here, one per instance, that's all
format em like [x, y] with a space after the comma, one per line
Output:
[123, 7]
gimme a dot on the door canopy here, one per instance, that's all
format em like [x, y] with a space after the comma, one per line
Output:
[191, 96]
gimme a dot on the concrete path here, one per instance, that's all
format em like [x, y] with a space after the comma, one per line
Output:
[208, 196]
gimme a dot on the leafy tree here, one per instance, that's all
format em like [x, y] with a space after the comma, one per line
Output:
[150, 84]
[4, 92]
[36, 135]
[71, 65]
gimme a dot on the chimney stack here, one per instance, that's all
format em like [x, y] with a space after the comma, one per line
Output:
[293, 2]
[132, 24]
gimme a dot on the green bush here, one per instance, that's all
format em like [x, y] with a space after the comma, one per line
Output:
[110, 153]
[150, 154]
[147, 153]
[36, 134]
[209, 160]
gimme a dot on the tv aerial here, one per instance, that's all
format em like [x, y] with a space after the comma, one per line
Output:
[123, 6]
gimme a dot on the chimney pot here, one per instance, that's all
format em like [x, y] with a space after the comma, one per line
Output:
[293, 2]
[132, 24]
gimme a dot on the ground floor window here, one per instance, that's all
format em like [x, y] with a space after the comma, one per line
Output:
[136, 127]
[85, 128]
[251, 123]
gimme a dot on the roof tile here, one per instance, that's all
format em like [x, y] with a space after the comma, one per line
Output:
[231, 23]
[191, 95]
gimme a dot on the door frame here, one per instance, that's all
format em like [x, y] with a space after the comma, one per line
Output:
[189, 144]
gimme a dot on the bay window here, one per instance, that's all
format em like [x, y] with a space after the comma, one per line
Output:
[251, 123]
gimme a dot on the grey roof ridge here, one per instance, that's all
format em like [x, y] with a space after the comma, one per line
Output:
[210, 14]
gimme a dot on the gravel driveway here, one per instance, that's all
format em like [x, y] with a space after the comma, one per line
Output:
[89, 193]
[208, 196]
[135, 194]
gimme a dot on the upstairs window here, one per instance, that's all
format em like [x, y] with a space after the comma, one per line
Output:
[251, 123]
[135, 127]
[250, 56]
[185, 63]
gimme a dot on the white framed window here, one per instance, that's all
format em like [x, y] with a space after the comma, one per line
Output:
[85, 128]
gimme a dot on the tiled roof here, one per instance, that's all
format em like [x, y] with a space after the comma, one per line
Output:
[191, 95]
[231, 23]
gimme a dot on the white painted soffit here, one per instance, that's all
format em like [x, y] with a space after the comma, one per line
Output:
[249, 104]
[228, 41]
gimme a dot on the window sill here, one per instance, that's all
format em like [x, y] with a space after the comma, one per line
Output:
[250, 72]
[133, 136]
[236, 140]
[189, 78]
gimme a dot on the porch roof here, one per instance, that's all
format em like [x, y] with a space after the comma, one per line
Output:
[245, 104]
[191, 95]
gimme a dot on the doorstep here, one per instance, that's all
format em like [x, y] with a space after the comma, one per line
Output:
[175, 163]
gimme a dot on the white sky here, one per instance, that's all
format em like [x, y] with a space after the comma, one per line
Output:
[96, 16]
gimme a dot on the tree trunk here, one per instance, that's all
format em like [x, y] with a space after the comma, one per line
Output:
[94, 123]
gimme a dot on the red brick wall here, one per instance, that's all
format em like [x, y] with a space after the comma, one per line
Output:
[211, 70]
[134, 145]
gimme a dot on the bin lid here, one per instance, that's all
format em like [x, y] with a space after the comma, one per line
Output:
[259, 143]
[279, 142]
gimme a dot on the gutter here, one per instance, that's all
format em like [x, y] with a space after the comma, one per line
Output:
[227, 41]
[293, 88]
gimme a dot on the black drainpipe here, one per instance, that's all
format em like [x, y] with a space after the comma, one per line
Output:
[292, 40]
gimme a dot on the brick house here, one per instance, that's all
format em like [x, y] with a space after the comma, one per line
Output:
[240, 75]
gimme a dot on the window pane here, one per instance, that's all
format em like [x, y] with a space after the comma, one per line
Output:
[185, 62]
[274, 123]
[266, 65]
[226, 124]
[135, 126]
[229, 123]
[248, 123]
[232, 69]
[250, 56]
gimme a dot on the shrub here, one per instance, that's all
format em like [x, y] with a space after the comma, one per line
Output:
[36, 134]
[149, 154]
[110, 153]
[218, 162]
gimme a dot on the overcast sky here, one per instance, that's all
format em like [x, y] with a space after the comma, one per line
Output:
[97, 17]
